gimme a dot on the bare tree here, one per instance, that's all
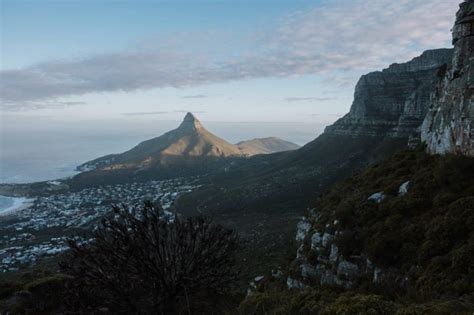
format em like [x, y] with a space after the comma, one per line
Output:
[140, 261]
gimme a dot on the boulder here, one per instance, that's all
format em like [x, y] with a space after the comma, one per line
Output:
[347, 269]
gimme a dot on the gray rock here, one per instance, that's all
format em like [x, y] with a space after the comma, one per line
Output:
[302, 229]
[449, 125]
[333, 256]
[327, 239]
[393, 102]
[316, 240]
[277, 274]
[377, 275]
[328, 278]
[294, 284]
[299, 253]
[377, 197]
[369, 264]
[347, 269]
[309, 272]
[403, 190]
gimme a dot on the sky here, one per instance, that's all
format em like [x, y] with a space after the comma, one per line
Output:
[236, 61]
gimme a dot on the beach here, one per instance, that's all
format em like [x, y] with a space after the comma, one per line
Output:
[9, 205]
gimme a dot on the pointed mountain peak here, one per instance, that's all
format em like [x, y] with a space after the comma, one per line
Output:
[190, 122]
[190, 117]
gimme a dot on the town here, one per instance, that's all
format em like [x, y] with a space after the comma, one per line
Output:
[42, 230]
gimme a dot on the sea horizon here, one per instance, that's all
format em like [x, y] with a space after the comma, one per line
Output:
[54, 150]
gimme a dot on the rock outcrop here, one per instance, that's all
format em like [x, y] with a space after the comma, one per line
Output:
[449, 125]
[319, 261]
[393, 102]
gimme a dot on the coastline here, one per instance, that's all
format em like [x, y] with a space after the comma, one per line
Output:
[19, 203]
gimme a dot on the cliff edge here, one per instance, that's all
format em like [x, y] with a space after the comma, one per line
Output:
[448, 126]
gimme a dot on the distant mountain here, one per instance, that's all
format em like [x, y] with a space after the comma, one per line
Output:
[266, 146]
[189, 142]
[189, 149]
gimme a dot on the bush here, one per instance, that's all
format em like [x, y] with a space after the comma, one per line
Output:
[360, 304]
[313, 301]
[141, 262]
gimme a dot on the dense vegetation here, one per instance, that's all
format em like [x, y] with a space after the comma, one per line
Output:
[139, 261]
[427, 234]
[423, 240]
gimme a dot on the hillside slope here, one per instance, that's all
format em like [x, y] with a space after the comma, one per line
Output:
[401, 229]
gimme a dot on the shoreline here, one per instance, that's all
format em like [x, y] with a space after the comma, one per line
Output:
[19, 203]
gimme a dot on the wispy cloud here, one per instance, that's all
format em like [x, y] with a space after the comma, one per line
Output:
[195, 96]
[145, 113]
[192, 111]
[310, 99]
[334, 38]
[40, 104]
[332, 115]
[152, 113]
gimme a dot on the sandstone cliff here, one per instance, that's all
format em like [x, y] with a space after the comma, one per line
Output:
[449, 126]
[394, 101]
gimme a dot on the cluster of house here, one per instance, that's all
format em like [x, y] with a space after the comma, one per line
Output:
[42, 230]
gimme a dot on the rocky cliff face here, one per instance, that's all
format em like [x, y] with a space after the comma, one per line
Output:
[449, 125]
[394, 101]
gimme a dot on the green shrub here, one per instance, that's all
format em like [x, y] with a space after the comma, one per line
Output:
[360, 305]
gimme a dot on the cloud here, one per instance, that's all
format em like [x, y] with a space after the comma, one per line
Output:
[152, 113]
[33, 105]
[195, 96]
[309, 99]
[332, 115]
[144, 113]
[190, 111]
[335, 38]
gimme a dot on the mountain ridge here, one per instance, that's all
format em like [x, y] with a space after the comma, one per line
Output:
[188, 143]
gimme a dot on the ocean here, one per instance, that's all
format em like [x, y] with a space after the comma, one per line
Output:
[5, 203]
[11, 204]
[52, 149]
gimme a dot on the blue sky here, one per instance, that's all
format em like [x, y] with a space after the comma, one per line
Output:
[224, 60]
[59, 29]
